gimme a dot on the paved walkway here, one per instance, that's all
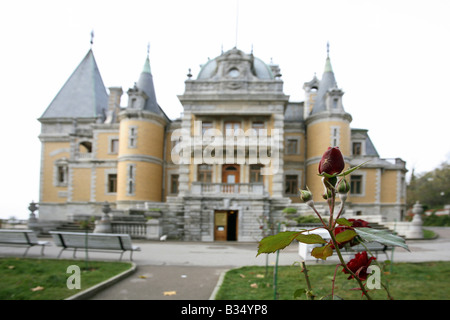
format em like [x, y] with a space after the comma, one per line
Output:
[191, 270]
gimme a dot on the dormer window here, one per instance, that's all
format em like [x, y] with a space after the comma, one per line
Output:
[233, 73]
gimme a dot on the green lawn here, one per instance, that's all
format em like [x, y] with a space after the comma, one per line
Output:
[407, 281]
[46, 279]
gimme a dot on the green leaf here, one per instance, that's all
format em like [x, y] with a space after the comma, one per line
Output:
[345, 236]
[381, 236]
[276, 242]
[344, 222]
[352, 169]
[322, 252]
[310, 238]
[281, 240]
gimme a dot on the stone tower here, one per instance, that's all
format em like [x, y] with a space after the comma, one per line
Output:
[327, 125]
[141, 150]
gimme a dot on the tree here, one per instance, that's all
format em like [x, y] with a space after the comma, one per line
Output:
[431, 189]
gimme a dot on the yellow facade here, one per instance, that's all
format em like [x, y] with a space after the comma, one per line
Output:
[81, 182]
[319, 137]
[389, 186]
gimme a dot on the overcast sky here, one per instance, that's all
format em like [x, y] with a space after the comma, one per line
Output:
[391, 58]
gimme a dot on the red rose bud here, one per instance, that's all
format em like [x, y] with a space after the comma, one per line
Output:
[332, 161]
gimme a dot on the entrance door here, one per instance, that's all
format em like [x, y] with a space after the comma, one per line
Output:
[230, 173]
[225, 225]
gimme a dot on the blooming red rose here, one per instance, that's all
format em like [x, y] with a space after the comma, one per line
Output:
[359, 223]
[332, 161]
[359, 264]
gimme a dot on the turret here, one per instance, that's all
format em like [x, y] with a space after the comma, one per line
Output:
[142, 129]
[327, 125]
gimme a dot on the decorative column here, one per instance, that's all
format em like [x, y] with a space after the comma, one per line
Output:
[415, 229]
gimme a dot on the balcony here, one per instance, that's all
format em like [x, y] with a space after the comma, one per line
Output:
[224, 189]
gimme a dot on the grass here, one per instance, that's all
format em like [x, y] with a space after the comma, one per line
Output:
[407, 281]
[46, 279]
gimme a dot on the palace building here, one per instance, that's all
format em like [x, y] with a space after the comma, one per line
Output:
[233, 161]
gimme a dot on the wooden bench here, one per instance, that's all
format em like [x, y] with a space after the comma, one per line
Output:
[21, 238]
[95, 242]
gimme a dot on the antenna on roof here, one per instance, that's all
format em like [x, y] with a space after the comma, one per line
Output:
[237, 22]
[92, 37]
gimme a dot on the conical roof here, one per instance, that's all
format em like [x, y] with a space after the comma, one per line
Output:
[328, 82]
[145, 83]
[83, 95]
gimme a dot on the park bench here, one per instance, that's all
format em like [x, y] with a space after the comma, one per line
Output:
[373, 247]
[21, 238]
[94, 242]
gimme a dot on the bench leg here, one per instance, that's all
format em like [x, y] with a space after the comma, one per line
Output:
[26, 251]
[121, 254]
[61, 252]
[42, 250]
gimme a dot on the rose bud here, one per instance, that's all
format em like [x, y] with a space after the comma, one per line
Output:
[332, 161]
[305, 195]
[343, 186]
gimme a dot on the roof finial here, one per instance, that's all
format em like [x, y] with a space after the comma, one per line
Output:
[148, 48]
[328, 49]
[92, 37]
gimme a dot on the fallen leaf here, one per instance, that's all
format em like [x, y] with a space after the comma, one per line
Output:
[143, 277]
[11, 267]
[38, 288]
[254, 285]
[260, 276]
[170, 293]
[242, 275]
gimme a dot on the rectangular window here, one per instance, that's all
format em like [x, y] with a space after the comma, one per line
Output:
[132, 137]
[255, 173]
[62, 174]
[335, 136]
[291, 187]
[258, 125]
[112, 183]
[206, 125]
[114, 146]
[174, 184]
[356, 148]
[131, 179]
[232, 125]
[204, 173]
[356, 184]
[291, 146]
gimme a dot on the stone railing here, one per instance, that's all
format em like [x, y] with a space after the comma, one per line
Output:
[227, 188]
[136, 229]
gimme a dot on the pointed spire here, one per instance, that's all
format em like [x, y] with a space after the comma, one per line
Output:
[83, 95]
[327, 82]
[328, 67]
[147, 68]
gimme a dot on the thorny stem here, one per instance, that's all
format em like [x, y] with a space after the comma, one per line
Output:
[334, 280]
[361, 285]
[309, 294]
